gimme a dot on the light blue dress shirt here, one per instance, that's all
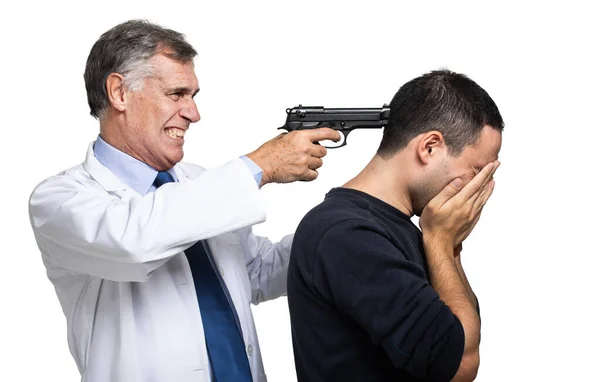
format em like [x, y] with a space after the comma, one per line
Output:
[254, 169]
[138, 175]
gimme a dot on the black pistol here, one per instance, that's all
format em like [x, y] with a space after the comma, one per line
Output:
[343, 120]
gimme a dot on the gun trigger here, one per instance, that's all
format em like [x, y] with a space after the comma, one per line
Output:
[337, 147]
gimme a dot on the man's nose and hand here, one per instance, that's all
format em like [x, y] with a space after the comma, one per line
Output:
[293, 156]
[450, 217]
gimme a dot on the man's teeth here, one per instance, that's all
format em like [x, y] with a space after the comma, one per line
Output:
[175, 133]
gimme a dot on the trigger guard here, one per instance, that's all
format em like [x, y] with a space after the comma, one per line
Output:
[344, 139]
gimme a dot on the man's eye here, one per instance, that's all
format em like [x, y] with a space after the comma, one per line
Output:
[176, 96]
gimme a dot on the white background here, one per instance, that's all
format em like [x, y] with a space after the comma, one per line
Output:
[532, 260]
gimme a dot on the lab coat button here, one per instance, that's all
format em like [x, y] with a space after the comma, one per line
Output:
[222, 271]
[249, 349]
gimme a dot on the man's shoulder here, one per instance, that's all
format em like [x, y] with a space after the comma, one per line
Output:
[352, 215]
[338, 205]
[53, 191]
[336, 215]
[71, 176]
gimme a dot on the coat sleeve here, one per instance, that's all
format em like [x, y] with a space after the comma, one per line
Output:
[89, 231]
[267, 265]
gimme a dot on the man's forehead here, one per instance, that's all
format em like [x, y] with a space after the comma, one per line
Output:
[170, 70]
[485, 150]
[488, 148]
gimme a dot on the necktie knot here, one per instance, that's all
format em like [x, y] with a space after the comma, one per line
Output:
[163, 177]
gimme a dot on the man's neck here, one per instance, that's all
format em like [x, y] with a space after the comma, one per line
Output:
[110, 133]
[381, 179]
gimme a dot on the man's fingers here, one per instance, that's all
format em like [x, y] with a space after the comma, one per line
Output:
[322, 134]
[315, 163]
[485, 195]
[310, 175]
[490, 176]
[317, 151]
[446, 194]
[476, 185]
[473, 224]
[484, 192]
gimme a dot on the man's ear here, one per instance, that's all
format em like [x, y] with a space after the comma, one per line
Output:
[116, 91]
[430, 144]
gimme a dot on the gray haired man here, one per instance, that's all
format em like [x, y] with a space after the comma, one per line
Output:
[153, 260]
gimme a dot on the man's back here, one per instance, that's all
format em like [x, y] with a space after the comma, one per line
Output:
[361, 306]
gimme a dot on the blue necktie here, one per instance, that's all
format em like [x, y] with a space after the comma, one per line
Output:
[226, 349]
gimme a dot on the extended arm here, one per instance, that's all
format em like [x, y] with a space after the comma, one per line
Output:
[91, 232]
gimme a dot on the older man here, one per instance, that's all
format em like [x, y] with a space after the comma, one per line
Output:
[153, 260]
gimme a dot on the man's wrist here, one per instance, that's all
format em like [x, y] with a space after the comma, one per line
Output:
[261, 162]
[256, 171]
[437, 246]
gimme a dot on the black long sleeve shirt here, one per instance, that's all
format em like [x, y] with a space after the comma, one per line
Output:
[361, 305]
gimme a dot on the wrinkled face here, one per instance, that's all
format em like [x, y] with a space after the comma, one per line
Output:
[465, 166]
[159, 114]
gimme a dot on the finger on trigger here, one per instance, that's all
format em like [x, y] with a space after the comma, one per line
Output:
[325, 133]
[339, 136]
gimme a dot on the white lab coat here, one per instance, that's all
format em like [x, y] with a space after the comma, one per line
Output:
[116, 261]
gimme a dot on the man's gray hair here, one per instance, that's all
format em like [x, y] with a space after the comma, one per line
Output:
[126, 49]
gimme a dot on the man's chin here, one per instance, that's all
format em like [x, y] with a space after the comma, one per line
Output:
[174, 160]
[170, 160]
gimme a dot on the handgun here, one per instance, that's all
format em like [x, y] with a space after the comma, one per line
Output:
[342, 120]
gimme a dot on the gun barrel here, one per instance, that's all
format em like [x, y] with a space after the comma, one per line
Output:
[321, 114]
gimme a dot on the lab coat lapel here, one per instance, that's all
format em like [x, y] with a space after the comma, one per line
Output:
[109, 181]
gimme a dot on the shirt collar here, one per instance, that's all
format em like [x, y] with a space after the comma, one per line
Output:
[134, 173]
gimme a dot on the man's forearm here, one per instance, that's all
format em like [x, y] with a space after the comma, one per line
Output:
[448, 283]
[465, 281]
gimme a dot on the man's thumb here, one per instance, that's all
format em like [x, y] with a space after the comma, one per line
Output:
[457, 183]
[446, 194]
[450, 190]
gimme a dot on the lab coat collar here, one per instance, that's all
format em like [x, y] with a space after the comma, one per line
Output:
[109, 181]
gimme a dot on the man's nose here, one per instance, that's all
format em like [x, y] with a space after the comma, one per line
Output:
[190, 111]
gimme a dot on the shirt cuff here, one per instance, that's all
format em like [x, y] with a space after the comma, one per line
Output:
[254, 169]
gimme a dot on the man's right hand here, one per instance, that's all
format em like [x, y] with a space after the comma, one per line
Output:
[450, 217]
[293, 156]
